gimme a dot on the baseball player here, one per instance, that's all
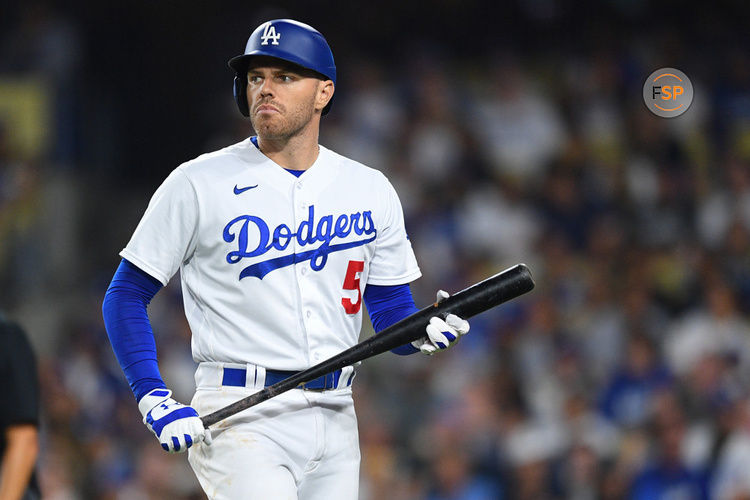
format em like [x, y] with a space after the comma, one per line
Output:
[278, 241]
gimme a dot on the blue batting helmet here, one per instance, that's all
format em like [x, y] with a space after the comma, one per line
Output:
[290, 41]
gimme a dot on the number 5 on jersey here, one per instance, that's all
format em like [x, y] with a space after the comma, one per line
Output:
[351, 282]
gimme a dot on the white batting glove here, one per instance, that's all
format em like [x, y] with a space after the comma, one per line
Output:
[176, 425]
[442, 333]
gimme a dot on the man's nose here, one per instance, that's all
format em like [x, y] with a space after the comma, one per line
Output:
[266, 88]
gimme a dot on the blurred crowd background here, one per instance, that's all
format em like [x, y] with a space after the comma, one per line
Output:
[513, 133]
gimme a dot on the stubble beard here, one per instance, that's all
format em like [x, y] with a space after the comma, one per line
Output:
[284, 125]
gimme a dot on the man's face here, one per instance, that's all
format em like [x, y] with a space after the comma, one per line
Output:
[283, 98]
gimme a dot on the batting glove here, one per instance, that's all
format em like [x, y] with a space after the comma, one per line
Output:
[442, 333]
[176, 425]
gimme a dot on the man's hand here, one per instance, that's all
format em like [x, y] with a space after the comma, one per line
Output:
[442, 334]
[176, 425]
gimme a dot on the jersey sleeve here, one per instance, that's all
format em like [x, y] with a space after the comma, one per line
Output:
[394, 262]
[165, 236]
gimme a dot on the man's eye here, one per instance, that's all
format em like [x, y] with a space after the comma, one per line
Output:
[254, 79]
[285, 78]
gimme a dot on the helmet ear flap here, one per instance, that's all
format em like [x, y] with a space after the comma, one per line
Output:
[240, 95]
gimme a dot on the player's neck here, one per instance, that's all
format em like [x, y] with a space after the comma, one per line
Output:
[298, 152]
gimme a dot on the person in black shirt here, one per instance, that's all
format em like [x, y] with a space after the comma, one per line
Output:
[19, 414]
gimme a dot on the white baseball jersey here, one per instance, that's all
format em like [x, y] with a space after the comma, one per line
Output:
[273, 266]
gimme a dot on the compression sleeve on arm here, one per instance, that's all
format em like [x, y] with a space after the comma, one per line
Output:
[129, 329]
[388, 305]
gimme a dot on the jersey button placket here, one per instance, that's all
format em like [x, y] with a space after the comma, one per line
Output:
[301, 214]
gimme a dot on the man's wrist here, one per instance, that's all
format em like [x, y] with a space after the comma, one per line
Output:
[143, 387]
[152, 399]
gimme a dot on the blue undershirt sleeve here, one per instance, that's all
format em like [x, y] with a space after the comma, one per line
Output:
[388, 305]
[129, 329]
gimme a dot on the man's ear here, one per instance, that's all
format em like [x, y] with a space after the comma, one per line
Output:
[325, 94]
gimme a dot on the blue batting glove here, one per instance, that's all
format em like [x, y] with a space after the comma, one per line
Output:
[176, 425]
[442, 333]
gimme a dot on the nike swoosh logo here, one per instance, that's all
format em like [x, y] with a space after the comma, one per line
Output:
[239, 190]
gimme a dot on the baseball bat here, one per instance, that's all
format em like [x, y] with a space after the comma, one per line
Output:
[486, 294]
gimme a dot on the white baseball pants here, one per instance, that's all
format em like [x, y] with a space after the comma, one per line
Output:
[300, 445]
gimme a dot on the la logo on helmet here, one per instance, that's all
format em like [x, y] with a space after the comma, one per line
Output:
[269, 32]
